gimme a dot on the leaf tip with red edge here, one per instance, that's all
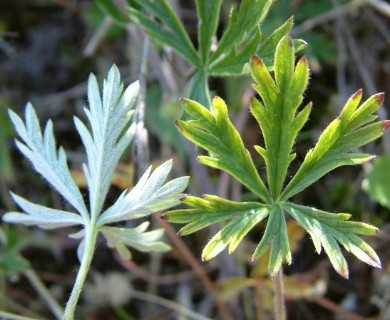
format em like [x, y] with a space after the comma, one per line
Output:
[379, 97]
[256, 61]
[357, 94]
[177, 124]
[386, 125]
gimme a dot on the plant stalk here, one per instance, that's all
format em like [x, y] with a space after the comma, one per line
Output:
[280, 309]
[90, 241]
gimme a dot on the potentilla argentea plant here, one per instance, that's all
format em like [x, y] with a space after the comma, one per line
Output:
[280, 121]
[105, 136]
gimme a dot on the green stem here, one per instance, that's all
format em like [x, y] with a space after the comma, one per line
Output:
[280, 310]
[90, 241]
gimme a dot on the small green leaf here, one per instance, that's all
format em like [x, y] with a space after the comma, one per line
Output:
[376, 183]
[216, 134]
[121, 238]
[208, 14]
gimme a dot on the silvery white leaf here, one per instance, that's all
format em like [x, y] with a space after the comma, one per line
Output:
[41, 216]
[148, 196]
[120, 238]
[105, 142]
[41, 151]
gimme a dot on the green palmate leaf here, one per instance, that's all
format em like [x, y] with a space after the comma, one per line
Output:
[349, 131]
[164, 27]
[280, 120]
[216, 134]
[208, 13]
[327, 230]
[277, 114]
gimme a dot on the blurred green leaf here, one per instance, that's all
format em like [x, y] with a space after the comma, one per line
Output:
[377, 182]
[231, 287]
[164, 27]
[6, 168]
[109, 8]
[199, 88]
[11, 260]
[159, 119]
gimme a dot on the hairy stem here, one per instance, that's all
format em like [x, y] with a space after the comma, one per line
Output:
[280, 310]
[90, 241]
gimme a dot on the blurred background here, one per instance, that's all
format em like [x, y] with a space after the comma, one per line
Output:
[47, 50]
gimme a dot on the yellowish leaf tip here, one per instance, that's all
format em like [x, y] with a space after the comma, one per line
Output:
[344, 273]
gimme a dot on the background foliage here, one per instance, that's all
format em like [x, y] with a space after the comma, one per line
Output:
[47, 50]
